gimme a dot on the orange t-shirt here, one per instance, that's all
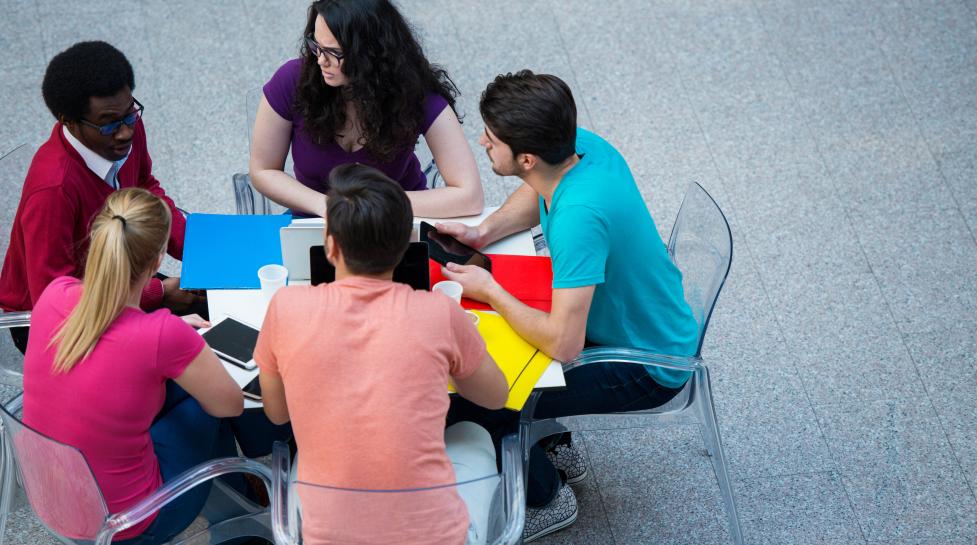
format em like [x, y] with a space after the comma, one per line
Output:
[365, 364]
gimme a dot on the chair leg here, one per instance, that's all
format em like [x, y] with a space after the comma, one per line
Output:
[706, 413]
[525, 432]
[7, 487]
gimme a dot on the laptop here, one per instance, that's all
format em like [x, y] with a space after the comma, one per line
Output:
[412, 270]
[296, 239]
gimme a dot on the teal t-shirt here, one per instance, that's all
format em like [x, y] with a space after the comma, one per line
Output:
[600, 233]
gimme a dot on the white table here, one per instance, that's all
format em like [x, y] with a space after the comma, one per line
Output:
[248, 306]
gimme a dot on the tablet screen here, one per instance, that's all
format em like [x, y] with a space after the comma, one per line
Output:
[233, 339]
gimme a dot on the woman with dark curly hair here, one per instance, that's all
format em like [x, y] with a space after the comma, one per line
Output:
[361, 92]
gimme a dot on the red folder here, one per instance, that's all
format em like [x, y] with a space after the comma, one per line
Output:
[528, 278]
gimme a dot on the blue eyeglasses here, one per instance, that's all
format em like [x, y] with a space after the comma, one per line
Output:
[111, 128]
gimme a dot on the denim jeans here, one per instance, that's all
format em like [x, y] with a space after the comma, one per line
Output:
[591, 389]
[183, 436]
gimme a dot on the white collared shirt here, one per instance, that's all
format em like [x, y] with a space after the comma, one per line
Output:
[103, 168]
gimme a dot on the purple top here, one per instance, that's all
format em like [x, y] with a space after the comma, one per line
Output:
[314, 162]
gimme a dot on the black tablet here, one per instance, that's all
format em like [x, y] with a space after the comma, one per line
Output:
[447, 249]
[233, 342]
[252, 390]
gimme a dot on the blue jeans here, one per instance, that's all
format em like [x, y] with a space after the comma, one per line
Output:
[592, 389]
[183, 436]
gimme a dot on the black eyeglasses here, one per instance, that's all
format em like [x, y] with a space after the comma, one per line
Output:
[111, 128]
[318, 50]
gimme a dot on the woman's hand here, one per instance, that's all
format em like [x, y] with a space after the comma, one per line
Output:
[195, 320]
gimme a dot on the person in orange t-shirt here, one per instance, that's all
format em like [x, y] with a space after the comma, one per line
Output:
[360, 367]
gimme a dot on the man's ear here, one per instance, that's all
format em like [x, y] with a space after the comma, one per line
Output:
[527, 161]
[72, 125]
[332, 250]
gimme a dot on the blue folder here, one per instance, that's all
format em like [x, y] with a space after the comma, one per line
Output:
[225, 251]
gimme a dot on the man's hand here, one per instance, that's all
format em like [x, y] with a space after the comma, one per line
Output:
[195, 320]
[177, 300]
[476, 282]
[464, 233]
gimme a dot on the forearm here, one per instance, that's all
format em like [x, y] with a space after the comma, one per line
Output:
[538, 328]
[520, 212]
[288, 192]
[447, 202]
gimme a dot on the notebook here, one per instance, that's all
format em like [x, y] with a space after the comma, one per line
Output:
[521, 363]
[527, 278]
[223, 251]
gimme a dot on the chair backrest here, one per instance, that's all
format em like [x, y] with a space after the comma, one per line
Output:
[701, 246]
[13, 170]
[57, 480]
[423, 515]
[433, 515]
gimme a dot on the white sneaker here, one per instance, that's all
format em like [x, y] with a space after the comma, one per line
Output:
[557, 515]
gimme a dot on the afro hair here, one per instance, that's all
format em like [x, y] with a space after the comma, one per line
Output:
[84, 70]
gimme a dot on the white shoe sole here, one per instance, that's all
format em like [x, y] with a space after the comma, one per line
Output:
[550, 529]
[579, 478]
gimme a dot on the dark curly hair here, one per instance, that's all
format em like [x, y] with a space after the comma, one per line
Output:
[84, 70]
[388, 77]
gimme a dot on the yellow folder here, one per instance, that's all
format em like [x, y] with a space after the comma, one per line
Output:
[521, 362]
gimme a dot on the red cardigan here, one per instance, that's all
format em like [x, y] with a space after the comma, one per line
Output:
[50, 231]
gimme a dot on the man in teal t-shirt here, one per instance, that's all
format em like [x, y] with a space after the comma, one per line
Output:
[613, 282]
[600, 234]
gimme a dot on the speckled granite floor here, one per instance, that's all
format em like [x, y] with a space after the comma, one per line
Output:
[840, 139]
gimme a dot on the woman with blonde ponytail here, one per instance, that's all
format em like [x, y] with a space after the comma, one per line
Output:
[140, 394]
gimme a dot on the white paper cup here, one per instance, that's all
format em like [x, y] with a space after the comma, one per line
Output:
[450, 288]
[272, 277]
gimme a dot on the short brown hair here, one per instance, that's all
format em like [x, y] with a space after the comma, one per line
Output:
[370, 217]
[532, 113]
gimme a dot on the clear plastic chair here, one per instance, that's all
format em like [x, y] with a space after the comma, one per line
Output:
[248, 200]
[701, 245]
[62, 491]
[415, 516]
[13, 170]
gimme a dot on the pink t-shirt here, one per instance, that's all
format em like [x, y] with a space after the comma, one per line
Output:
[105, 405]
[365, 364]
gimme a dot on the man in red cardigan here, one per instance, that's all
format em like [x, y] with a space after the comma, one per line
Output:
[97, 146]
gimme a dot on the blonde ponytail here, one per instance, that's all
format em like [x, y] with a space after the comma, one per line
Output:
[127, 236]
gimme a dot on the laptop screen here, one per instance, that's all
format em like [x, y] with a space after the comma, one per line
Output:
[412, 270]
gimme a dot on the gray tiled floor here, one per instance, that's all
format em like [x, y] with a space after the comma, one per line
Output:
[839, 137]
